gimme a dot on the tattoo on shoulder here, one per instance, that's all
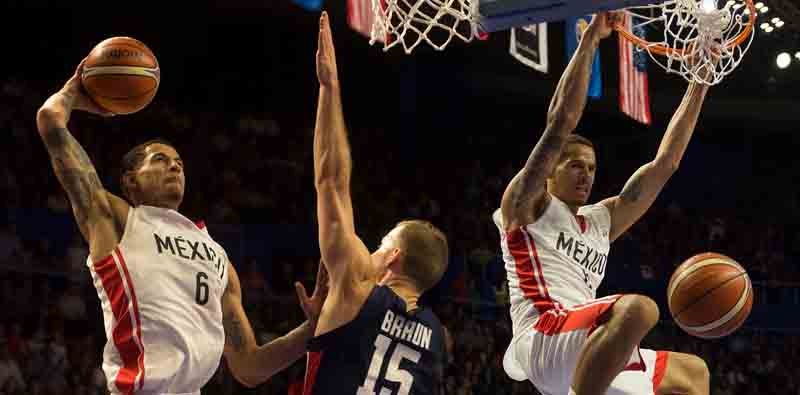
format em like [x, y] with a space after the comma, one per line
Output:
[632, 190]
[233, 331]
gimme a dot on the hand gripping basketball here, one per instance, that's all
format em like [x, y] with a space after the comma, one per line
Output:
[73, 91]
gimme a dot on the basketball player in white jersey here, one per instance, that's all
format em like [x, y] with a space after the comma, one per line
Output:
[555, 247]
[171, 299]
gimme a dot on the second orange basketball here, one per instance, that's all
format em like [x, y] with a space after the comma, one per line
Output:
[121, 75]
[710, 295]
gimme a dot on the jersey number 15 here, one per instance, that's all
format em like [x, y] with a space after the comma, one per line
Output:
[393, 371]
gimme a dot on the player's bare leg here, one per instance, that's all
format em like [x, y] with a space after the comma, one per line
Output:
[609, 347]
[685, 374]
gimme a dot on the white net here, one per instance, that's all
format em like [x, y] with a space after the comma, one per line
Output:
[696, 39]
[407, 23]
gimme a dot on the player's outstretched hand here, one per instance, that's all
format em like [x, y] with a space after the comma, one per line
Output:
[74, 92]
[326, 55]
[312, 305]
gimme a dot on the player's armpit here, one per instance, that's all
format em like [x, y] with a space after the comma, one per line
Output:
[249, 363]
[637, 196]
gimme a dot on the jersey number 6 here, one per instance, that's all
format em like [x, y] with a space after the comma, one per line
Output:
[201, 293]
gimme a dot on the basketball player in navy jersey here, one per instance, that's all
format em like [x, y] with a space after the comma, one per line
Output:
[171, 300]
[372, 336]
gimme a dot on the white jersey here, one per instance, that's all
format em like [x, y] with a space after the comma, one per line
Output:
[161, 291]
[557, 261]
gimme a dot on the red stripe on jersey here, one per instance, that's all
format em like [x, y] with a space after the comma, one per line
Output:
[131, 289]
[531, 281]
[540, 271]
[123, 333]
[312, 365]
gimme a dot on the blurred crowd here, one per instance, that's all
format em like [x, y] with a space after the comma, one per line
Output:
[252, 169]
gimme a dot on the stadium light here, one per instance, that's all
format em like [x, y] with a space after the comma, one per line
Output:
[783, 60]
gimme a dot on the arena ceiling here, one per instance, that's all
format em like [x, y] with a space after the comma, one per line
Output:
[265, 50]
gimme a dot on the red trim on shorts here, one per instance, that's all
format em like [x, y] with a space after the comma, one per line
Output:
[312, 365]
[123, 333]
[661, 368]
[584, 316]
[531, 279]
[637, 366]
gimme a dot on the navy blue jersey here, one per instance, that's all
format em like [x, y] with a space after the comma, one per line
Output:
[384, 350]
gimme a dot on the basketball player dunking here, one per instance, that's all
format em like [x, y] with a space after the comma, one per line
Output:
[555, 248]
[171, 300]
[372, 338]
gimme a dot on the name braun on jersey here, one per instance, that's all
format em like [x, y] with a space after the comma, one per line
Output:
[398, 327]
[191, 250]
[589, 258]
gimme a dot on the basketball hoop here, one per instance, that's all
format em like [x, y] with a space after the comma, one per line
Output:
[701, 42]
[407, 23]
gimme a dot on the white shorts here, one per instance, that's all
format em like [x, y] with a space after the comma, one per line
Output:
[547, 354]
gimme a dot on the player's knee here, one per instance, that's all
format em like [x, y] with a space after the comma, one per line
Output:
[638, 313]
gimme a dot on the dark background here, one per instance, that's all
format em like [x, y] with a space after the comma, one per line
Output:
[435, 135]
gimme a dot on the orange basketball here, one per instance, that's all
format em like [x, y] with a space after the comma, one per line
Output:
[121, 75]
[710, 295]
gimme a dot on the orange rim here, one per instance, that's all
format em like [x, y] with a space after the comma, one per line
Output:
[667, 50]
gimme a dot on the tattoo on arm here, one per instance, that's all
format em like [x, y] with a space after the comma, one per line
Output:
[540, 163]
[74, 170]
[632, 189]
[233, 331]
[544, 154]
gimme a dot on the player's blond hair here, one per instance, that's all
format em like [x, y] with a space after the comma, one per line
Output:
[425, 252]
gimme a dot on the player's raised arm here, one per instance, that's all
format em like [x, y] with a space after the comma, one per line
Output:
[646, 183]
[525, 196]
[250, 363]
[100, 215]
[339, 244]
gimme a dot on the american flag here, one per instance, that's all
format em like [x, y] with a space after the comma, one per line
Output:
[360, 16]
[634, 97]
